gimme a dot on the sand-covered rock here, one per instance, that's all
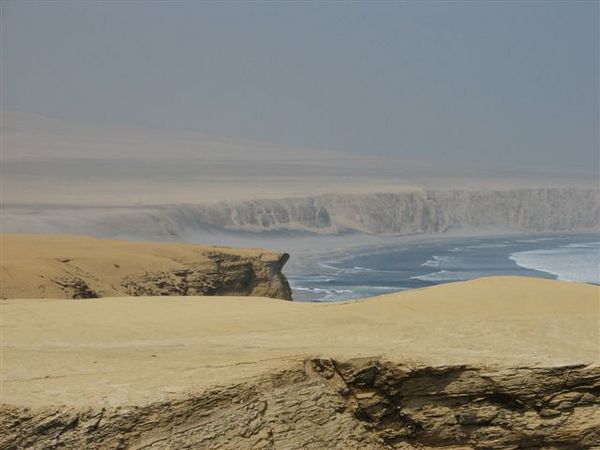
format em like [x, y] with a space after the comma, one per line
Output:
[501, 362]
[80, 267]
[354, 404]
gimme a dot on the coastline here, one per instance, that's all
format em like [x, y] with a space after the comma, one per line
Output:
[410, 263]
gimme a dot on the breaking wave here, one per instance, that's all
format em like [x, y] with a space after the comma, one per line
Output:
[436, 261]
[445, 275]
[572, 262]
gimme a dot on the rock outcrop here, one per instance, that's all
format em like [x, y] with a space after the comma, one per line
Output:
[222, 274]
[352, 404]
[78, 267]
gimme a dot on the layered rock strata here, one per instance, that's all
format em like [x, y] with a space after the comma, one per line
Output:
[352, 404]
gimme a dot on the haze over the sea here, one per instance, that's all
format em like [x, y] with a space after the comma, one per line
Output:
[507, 85]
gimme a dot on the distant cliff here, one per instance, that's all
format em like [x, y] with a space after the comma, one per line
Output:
[410, 212]
[79, 267]
[423, 211]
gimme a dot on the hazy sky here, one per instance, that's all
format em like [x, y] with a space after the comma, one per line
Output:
[509, 83]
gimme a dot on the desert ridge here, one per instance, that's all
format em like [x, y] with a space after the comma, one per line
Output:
[129, 350]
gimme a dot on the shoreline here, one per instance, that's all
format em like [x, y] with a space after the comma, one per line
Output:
[365, 270]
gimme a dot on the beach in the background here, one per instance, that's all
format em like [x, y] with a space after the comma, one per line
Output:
[378, 270]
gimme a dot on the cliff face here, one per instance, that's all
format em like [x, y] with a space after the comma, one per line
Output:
[353, 404]
[414, 212]
[220, 274]
[77, 267]
[423, 211]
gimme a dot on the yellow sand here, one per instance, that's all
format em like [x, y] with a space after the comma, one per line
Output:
[133, 350]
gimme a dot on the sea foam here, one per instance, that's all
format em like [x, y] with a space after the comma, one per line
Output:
[573, 262]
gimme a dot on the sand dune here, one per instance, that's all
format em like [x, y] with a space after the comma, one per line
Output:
[489, 363]
[136, 350]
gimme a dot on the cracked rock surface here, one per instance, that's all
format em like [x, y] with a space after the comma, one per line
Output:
[353, 404]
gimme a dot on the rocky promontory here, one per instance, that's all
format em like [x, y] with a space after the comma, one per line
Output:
[81, 267]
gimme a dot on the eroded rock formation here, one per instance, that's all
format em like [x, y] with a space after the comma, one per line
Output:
[222, 274]
[78, 267]
[355, 404]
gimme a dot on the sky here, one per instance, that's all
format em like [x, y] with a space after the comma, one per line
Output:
[506, 84]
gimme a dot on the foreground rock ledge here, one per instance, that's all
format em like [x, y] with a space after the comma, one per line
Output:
[353, 404]
[38, 266]
[501, 362]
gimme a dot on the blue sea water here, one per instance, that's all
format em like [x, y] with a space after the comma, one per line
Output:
[379, 270]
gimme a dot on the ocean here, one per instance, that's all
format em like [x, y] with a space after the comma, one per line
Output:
[368, 271]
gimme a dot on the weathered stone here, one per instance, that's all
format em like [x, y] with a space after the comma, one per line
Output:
[36, 267]
[450, 407]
